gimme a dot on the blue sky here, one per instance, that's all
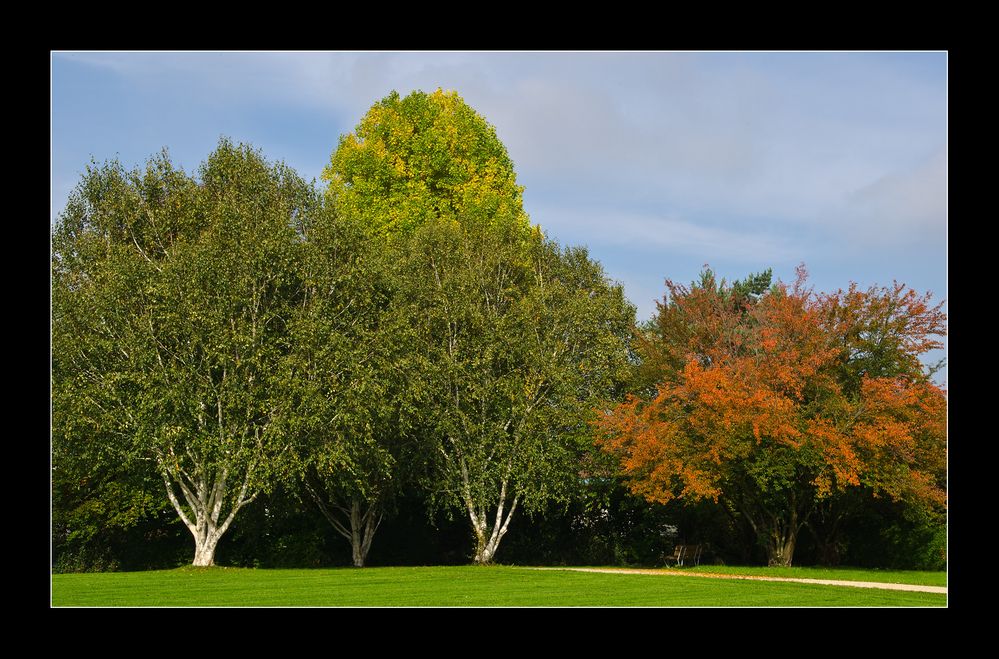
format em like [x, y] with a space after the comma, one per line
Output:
[658, 162]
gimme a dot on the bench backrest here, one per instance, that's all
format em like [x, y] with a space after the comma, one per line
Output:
[686, 552]
[682, 549]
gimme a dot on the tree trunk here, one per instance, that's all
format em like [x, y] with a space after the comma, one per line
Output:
[486, 545]
[362, 526]
[205, 499]
[784, 535]
[780, 548]
[485, 550]
[777, 532]
[357, 553]
[487, 538]
[362, 530]
[204, 548]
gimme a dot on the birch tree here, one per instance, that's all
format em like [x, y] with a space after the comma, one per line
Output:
[170, 300]
[352, 390]
[519, 342]
[511, 337]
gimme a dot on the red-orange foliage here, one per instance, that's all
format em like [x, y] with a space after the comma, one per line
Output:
[776, 402]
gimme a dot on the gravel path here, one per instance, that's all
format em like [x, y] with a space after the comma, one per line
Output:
[824, 582]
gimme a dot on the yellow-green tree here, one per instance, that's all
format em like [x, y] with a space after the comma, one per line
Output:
[510, 339]
[421, 157]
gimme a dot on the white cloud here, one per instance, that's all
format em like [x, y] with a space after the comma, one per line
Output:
[655, 232]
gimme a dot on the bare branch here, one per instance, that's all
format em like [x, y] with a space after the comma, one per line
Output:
[327, 513]
[142, 251]
[175, 502]
[218, 495]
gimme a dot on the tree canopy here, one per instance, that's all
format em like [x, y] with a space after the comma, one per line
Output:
[351, 388]
[769, 404]
[517, 338]
[519, 345]
[170, 301]
[421, 157]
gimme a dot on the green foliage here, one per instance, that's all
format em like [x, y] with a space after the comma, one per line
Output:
[90, 515]
[518, 344]
[170, 302]
[352, 392]
[896, 535]
[424, 157]
[349, 377]
[748, 291]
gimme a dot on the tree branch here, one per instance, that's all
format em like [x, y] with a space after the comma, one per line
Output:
[240, 502]
[173, 499]
[218, 494]
[327, 513]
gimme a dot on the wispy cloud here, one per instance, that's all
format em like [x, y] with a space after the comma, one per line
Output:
[905, 206]
[732, 159]
[650, 232]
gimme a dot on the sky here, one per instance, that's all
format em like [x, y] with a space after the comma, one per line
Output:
[658, 162]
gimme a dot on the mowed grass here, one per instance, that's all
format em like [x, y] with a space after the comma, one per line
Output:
[845, 574]
[450, 587]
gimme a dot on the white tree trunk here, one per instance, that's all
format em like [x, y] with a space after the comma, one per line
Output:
[487, 537]
[204, 549]
[204, 500]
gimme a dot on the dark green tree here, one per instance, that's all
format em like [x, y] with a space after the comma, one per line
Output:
[352, 388]
[519, 345]
[170, 298]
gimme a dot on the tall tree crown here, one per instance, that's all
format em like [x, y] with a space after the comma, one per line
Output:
[421, 157]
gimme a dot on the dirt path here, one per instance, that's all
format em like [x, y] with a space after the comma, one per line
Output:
[824, 582]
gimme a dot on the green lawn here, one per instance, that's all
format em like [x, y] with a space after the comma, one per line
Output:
[450, 586]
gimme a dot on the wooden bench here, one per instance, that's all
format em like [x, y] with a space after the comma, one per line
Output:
[685, 553]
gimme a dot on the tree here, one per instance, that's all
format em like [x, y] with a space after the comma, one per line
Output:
[518, 344]
[501, 320]
[170, 299]
[352, 390]
[421, 157]
[882, 334]
[100, 515]
[762, 403]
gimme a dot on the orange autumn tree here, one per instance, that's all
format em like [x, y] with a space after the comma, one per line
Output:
[773, 399]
